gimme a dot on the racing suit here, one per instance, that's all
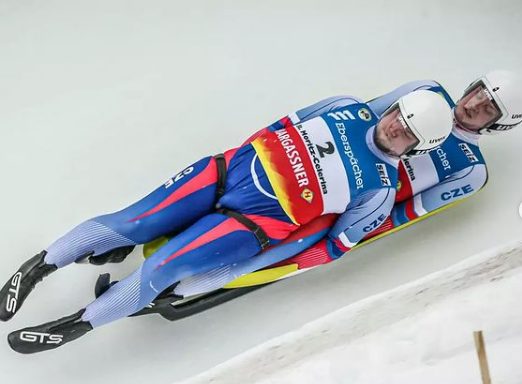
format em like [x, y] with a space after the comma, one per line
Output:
[274, 184]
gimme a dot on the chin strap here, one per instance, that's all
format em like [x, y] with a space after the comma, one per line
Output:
[496, 128]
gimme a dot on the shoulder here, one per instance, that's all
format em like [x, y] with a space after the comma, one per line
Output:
[475, 176]
[422, 84]
[381, 103]
[340, 101]
[324, 106]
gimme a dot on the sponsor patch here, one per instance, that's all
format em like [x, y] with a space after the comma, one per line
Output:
[307, 195]
[342, 115]
[364, 114]
[443, 157]
[468, 152]
[316, 160]
[354, 162]
[383, 174]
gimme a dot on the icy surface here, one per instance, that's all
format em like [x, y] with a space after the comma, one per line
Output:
[418, 333]
[101, 101]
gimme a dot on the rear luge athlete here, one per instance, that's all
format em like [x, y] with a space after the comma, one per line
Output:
[228, 208]
[455, 170]
[427, 183]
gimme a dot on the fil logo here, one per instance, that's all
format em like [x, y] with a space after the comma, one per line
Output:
[12, 297]
[42, 338]
[307, 195]
[342, 115]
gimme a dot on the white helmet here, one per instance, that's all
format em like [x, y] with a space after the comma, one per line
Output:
[428, 116]
[504, 89]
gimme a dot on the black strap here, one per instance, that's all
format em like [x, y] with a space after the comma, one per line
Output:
[221, 174]
[261, 236]
[258, 232]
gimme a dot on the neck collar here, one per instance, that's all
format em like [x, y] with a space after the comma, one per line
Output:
[464, 133]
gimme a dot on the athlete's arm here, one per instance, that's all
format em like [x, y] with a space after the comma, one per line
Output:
[382, 103]
[361, 218]
[307, 113]
[458, 186]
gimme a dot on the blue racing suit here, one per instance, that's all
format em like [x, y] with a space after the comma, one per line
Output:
[281, 180]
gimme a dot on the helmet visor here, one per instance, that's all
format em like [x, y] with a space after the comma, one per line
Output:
[478, 108]
[393, 134]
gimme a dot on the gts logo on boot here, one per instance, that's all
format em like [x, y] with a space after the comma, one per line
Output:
[12, 297]
[42, 338]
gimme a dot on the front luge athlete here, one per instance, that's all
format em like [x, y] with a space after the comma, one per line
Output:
[228, 208]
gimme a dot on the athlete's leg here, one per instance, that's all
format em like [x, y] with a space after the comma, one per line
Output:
[214, 240]
[172, 207]
[261, 269]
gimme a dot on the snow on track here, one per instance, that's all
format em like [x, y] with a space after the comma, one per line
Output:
[418, 332]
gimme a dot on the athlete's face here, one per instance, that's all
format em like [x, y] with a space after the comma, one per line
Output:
[475, 110]
[392, 136]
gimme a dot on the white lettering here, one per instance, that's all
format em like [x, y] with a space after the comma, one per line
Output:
[42, 338]
[357, 171]
[12, 301]
[443, 158]
[179, 176]
[293, 156]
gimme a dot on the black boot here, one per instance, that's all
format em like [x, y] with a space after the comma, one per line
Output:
[161, 304]
[16, 290]
[50, 335]
[114, 256]
[103, 283]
